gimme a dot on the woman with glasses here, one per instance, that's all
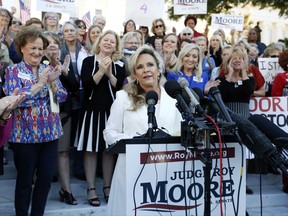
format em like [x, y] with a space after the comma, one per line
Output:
[81, 31]
[130, 43]
[5, 23]
[187, 33]
[158, 29]
[51, 22]
[145, 32]
[15, 27]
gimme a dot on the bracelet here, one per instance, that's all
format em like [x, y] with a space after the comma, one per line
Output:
[7, 118]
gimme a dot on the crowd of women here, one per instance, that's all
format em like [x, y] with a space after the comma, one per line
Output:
[59, 83]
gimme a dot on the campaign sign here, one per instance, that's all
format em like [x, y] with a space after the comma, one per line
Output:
[190, 7]
[167, 180]
[143, 12]
[57, 6]
[227, 21]
[273, 108]
[269, 68]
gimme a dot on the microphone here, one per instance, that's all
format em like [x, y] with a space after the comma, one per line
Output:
[192, 94]
[174, 90]
[151, 100]
[252, 137]
[215, 93]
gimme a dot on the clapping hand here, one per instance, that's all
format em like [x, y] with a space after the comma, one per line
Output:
[55, 73]
[8, 103]
[105, 64]
[65, 65]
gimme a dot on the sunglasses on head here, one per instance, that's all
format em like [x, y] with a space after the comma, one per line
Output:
[82, 26]
[16, 22]
[158, 26]
[274, 56]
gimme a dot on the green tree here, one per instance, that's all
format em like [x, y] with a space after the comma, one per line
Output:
[218, 6]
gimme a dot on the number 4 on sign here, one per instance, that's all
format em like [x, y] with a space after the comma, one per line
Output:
[144, 7]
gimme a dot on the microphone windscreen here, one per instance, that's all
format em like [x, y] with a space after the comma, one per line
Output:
[199, 93]
[151, 97]
[214, 90]
[183, 82]
[172, 88]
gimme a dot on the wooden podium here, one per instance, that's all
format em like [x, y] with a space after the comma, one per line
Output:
[162, 178]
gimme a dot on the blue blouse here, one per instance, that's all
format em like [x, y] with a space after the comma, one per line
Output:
[33, 120]
[192, 80]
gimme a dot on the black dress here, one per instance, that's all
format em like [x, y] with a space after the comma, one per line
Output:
[97, 102]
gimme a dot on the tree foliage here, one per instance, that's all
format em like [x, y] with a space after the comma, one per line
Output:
[225, 6]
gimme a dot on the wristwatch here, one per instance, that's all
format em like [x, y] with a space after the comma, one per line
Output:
[5, 118]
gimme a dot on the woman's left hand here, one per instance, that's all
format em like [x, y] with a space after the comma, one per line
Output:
[55, 73]
[210, 84]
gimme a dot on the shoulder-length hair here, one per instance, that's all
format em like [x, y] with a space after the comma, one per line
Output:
[184, 51]
[239, 52]
[117, 54]
[134, 90]
[154, 23]
[89, 43]
[45, 20]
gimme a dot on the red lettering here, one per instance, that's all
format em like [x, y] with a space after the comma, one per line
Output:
[262, 103]
[276, 103]
[253, 104]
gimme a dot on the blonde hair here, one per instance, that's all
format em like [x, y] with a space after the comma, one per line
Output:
[134, 90]
[154, 23]
[117, 54]
[240, 52]
[184, 51]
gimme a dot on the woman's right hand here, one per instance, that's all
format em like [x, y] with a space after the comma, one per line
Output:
[8, 103]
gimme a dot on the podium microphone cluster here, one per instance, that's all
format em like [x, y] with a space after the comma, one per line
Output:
[194, 102]
[174, 90]
[151, 100]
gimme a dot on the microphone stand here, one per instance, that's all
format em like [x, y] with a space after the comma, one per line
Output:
[194, 128]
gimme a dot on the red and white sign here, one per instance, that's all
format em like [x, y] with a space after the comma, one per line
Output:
[273, 108]
[167, 180]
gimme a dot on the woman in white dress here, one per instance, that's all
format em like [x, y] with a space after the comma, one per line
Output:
[128, 116]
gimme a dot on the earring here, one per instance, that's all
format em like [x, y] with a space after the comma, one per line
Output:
[197, 66]
[137, 81]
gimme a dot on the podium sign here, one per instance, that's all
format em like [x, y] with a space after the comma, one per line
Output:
[172, 180]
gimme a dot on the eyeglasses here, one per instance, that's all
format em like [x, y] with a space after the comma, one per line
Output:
[16, 22]
[158, 26]
[82, 26]
[186, 34]
[131, 43]
[52, 18]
